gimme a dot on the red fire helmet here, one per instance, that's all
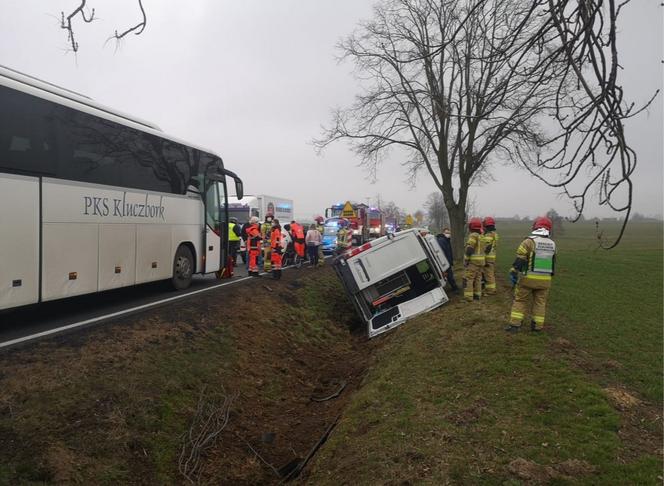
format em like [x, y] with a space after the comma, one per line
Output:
[489, 221]
[475, 224]
[543, 222]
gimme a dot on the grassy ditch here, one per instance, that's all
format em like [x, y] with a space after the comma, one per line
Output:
[109, 405]
[452, 398]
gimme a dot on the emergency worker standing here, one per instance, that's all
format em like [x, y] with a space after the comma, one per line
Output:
[473, 261]
[535, 260]
[297, 232]
[321, 230]
[266, 231]
[233, 239]
[253, 246]
[276, 244]
[490, 243]
[344, 236]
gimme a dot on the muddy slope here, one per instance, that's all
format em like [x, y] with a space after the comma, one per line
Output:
[112, 404]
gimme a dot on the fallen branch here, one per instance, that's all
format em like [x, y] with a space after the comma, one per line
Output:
[210, 418]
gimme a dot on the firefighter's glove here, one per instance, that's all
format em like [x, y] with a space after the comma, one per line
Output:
[514, 276]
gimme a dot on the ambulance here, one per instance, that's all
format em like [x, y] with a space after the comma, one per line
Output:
[394, 278]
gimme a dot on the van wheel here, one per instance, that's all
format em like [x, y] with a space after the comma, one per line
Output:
[183, 268]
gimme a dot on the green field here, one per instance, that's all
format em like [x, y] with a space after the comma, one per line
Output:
[452, 398]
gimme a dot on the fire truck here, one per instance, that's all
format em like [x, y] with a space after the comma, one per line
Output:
[366, 222]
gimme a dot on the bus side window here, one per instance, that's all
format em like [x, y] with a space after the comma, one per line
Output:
[26, 133]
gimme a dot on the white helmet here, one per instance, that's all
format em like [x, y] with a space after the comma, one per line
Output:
[253, 220]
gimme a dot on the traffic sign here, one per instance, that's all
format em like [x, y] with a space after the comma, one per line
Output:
[348, 211]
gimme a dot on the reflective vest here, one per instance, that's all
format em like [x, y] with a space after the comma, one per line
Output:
[475, 242]
[275, 238]
[253, 237]
[298, 233]
[490, 242]
[343, 240]
[231, 234]
[541, 259]
[266, 229]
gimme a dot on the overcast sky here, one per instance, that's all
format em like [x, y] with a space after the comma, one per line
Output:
[253, 80]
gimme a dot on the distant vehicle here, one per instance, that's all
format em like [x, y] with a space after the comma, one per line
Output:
[93, 199]
[330, 230]
[394, 278]
[260, 206]
[376, 223]
[366, 223]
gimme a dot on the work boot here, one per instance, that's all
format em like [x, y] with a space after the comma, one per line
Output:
[275, 274]
[476, 297]
[534, 328]
[512, 329]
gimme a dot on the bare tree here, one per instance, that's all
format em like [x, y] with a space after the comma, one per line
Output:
[419, 217]
[66, 23]
[459, 84]
[436, 211]
[591, 151]
[557, 220]
[392, 212]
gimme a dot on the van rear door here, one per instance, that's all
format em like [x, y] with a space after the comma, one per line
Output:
[387, 256]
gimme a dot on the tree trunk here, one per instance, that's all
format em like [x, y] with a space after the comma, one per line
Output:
[457, 216]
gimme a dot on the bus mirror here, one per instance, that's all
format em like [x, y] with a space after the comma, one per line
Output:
[239, 188]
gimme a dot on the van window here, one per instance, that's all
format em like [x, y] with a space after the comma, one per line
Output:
[401, 287]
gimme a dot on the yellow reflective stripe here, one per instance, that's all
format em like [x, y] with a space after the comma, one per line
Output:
[477, 258]
[538, 319]
[491, 257]
[490, 286]
[516, 315]
[533, 276]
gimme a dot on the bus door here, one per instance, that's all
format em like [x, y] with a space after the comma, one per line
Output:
[213, 229]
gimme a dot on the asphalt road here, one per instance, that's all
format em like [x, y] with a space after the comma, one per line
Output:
[31, 321]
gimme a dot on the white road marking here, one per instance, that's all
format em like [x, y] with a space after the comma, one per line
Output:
[123, 312]
[115, 314]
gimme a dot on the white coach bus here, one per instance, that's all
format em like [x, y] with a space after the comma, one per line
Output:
[92, 199]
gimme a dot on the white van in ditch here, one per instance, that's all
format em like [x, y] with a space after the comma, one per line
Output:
[394, 278]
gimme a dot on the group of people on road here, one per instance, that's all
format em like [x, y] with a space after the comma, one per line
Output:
[530, 273]
[271, 246]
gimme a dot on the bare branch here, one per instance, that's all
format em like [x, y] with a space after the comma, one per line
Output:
[66, 23]
[459, 84]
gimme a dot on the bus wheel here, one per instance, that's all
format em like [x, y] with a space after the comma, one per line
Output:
[183, 268]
